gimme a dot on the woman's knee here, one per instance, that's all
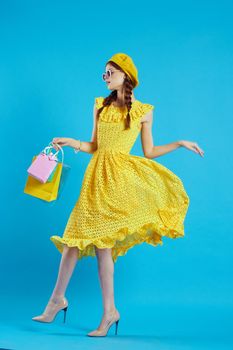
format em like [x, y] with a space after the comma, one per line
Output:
[70, 250]
[103, 253]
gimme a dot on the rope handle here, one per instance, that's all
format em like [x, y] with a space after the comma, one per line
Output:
[51, 145]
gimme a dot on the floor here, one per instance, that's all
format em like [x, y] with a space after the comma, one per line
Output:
[143, 327]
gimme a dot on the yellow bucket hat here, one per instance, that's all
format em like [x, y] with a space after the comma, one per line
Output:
[126, 63]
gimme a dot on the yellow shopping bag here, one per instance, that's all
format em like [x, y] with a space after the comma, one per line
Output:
[47, 191]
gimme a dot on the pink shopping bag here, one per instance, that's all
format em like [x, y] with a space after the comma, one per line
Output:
[44, 164]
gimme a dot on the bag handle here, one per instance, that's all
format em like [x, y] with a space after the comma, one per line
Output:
[52, 146]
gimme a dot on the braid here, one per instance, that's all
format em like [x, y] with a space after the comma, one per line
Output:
[128, 87]
[107, 101]
[128, 92]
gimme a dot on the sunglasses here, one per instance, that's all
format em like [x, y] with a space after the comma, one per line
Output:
[108, 74]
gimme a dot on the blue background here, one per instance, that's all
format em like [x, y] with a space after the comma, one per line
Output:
[53, 53]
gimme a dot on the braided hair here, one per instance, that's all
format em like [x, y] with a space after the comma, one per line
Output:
[128, 87]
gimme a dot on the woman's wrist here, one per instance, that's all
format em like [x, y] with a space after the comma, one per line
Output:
[180, 143]
[76, 145]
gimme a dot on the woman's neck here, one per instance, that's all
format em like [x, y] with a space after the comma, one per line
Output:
[120, 99]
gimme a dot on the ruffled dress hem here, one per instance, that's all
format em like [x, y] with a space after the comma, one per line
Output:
[151, 233]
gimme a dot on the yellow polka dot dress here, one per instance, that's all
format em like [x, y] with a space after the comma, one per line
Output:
[125, 199]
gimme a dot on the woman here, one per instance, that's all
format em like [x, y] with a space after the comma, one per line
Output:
[125, 199]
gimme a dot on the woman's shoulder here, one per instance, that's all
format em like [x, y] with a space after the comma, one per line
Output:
[140, 108]
[99, 102]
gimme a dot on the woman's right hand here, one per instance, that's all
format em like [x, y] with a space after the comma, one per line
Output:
[62, 141]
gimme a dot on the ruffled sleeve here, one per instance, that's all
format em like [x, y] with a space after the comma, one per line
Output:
[146, 107]
[139, 109]
[99, 102]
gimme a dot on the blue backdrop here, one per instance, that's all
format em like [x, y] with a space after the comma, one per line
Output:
[52, 57]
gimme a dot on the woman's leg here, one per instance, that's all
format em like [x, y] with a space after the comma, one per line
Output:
[106, 276]
[68, 261]
[67, 264]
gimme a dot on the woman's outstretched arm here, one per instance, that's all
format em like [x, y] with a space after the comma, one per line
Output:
[150, 151]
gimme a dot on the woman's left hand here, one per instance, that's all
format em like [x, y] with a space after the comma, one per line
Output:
[193, 146]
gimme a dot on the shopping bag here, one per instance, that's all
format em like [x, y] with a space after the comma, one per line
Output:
[43, 165]
[50, 179]
[64, 175]
[46, 191]
[48, 150]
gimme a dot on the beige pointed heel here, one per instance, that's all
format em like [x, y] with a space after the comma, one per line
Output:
[104, 331]
[52, 310]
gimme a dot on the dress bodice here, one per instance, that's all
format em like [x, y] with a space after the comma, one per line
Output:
[111, 132]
